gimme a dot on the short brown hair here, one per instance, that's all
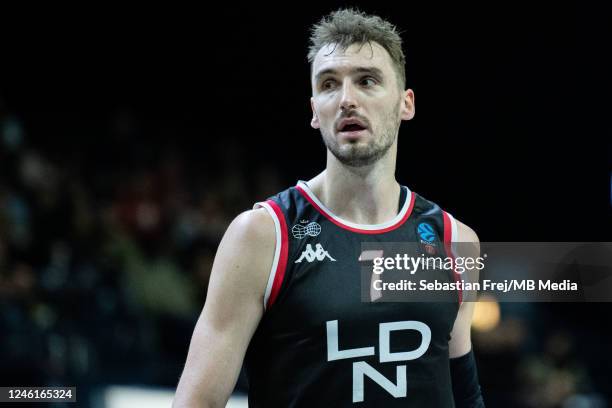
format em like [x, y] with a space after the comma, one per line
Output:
[345, 27]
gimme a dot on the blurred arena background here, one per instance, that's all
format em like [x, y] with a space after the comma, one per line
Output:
[127, 146]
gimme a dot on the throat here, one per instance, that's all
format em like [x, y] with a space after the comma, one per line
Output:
[367, 208]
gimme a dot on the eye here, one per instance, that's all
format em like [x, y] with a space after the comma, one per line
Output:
[328, 84]
[368, 81]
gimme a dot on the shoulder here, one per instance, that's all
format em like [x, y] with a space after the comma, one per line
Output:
[244, 258]
[467, 241]
[465, 233]
[249, 240]
[251, 237]
[252, 226]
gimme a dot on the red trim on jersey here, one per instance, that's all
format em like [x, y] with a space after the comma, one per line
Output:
[359, 230]
[279, 274]
[448, 240]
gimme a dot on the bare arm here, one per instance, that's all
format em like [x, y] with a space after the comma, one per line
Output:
[231, 313]
[461, 342]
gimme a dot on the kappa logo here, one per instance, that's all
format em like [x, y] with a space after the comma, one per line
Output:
[319, 254]
[305, 228]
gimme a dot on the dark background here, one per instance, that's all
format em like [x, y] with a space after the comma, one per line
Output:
[130, 139]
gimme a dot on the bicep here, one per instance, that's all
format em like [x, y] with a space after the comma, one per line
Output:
[233, 308]
[460, 342]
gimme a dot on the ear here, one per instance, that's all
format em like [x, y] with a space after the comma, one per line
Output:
[407, 111]
[314, 123]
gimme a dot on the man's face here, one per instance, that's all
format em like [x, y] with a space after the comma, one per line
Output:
[357, 102]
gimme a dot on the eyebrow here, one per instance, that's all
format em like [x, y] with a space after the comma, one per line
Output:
[357, 70]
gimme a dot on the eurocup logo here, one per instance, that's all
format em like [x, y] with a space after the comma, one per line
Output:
[311, 229]
[426, 232]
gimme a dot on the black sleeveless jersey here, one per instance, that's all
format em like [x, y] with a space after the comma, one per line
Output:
[318, 344]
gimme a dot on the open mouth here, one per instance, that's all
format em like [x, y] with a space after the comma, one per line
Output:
[353, 127]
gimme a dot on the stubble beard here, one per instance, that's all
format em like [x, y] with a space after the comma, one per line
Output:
[361, 154]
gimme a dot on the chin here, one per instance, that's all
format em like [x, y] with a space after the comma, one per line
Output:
[352, 137]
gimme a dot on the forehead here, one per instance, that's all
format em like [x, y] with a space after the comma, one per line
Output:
[332, 57]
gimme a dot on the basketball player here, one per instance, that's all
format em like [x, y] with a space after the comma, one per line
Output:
[285, 290]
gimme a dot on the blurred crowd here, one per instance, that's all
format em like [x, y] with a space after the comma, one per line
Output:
[106, 247]
[105, 256]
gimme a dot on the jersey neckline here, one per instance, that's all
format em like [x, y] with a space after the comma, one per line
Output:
[390, 225]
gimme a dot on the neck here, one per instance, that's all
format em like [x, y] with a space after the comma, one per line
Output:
[363, 195]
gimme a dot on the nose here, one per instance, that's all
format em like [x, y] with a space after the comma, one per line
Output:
[348, 99]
